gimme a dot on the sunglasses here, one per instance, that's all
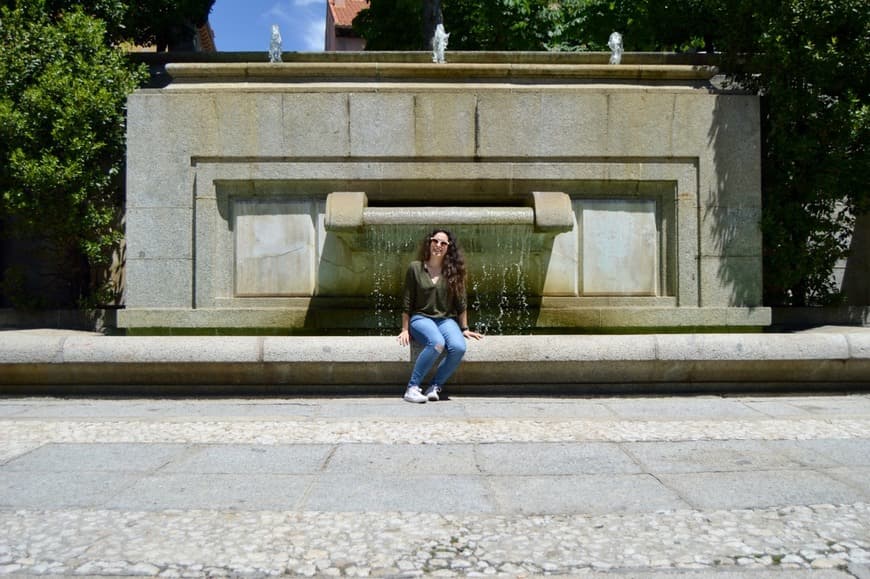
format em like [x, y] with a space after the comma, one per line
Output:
[439, 243]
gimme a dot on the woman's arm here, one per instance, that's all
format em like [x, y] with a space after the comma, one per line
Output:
[463, 325]
[404, 336]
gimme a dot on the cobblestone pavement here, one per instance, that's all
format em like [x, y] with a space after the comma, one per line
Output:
[747, 486]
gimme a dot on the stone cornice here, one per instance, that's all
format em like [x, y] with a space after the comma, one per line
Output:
[292, 72]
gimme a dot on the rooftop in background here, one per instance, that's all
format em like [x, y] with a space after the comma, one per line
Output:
[339, 21]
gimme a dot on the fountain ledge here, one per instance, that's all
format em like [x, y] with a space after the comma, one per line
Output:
[836, 359]
[209, 72]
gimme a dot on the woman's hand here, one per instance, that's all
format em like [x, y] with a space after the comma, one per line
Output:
[469, 334]
[404, 338]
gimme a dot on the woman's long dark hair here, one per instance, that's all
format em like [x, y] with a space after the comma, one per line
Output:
[454, 262]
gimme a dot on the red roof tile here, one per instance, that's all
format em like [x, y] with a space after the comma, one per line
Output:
[344, 11]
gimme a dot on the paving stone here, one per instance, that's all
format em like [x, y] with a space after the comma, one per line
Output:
[589, 494]
[554, 459]
[424, 493]
[216, 491]
[759, 489]
[454, 459]
[247, 458]
[104, 457]
[60, 490]
[708, 456]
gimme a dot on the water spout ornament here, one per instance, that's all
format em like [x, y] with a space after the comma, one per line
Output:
[439, 44]
[615, 44]
[275, 45]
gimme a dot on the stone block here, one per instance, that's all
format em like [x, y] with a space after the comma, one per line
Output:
[752, 316]
[382, 125]
[159, 283]
[564, 348]
[728, 347]
[198, 113]
[730, 281]
[344, 211]
[23, 348]
[562, 264]
[661, 317]
[159, 232]
[546, 123]
[326, 111]
[553, 211]
[214, 258]
[693, 118]
[735, 151]
[236, 316]
[161, 349]
[639, 124]
[249, 124]
[333, 349]
[731, 231]
[444, 124]
[184, 125]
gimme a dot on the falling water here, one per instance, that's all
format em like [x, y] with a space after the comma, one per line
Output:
[498, 258]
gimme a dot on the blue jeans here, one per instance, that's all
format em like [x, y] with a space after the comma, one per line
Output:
[435, 334]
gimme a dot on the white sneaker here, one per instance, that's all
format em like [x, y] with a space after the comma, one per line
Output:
[414, 394]
[432, 393]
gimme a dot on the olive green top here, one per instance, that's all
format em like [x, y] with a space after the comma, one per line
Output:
[432, 300]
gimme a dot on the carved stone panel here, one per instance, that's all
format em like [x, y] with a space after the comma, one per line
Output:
[275, 248]
[619, 247]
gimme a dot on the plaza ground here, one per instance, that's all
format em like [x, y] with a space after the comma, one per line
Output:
[489, 485]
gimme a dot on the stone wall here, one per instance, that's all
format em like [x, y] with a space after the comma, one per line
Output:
[230, 168]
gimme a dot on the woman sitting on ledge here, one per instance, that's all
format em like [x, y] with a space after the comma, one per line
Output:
[434, 312]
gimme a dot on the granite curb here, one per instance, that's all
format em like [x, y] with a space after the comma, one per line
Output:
[834, 358]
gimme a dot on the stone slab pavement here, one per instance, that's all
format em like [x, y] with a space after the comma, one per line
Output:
[768, 487]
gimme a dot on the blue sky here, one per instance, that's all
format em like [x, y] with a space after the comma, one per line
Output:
[245, 25]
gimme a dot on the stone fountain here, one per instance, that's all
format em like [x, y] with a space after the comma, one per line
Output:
[288, 197]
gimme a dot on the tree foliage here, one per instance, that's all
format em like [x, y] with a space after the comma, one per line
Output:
[63, 88]
[807, 58]
[392, 25]
[62, 100]
[163, 23]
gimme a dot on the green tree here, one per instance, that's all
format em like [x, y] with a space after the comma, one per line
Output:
[809, 61]
[162, 23]
[391, 25]
[501, 24]
[472, 24]
[62, 99]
